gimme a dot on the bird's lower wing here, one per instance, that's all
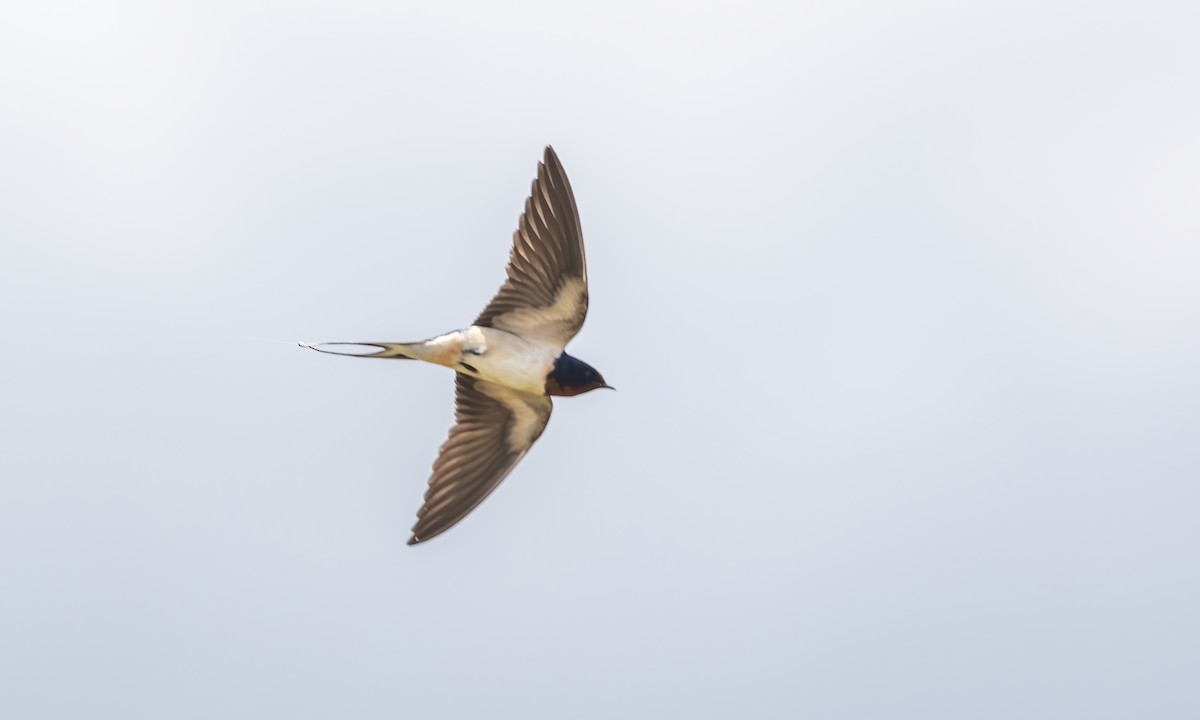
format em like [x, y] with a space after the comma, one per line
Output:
[494, 427]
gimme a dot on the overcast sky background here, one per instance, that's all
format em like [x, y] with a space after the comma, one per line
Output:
[902, 299]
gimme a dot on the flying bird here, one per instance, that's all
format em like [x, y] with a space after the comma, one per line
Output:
[511, 360]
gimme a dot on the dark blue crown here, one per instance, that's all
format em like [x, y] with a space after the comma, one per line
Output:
[573, 372]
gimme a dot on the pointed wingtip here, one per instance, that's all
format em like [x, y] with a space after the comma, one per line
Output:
[413, 540]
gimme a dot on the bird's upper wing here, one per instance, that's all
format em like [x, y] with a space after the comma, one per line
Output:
[545, 296]
[494, 427]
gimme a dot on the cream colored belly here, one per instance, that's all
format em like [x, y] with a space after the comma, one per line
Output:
[506, 359]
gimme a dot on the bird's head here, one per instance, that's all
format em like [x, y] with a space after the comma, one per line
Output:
[572, 376]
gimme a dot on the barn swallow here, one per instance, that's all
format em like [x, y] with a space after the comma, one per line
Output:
[511, 360]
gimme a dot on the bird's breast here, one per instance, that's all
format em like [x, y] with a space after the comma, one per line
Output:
[509, 359]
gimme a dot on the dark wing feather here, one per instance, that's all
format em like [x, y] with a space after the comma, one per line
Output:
[545, 294]
[494, 427]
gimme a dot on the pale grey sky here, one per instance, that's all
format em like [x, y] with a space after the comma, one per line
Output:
[902, 299]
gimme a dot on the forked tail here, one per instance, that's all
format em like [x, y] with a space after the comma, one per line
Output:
[403, 351]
